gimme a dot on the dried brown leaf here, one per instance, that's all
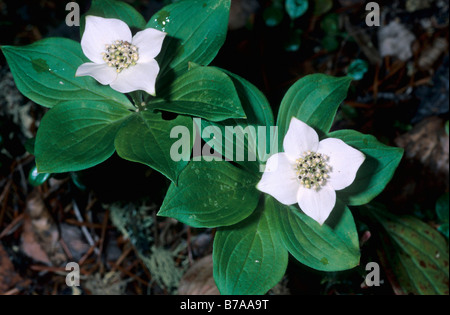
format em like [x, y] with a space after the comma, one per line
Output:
[428, 143]
[427, 150]
[8, 276]
[73, 237]
[30, 246]
[198, 280]
[42, 232]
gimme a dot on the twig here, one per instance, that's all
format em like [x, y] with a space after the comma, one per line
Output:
[4, 200]
[92, 270]
[12, 292]
[122, 257]
[364, 42]
[54, 188]
[103, 234]
[144, 267]
[22, 177]
[66, 249]
[130, 274]
[57, 270]
[87, 224]
[189, 247]
[376, 82]
[85, 231]
[87, 254]
[11, 227]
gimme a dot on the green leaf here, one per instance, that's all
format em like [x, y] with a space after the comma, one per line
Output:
[211, 194]
[376, 171]
[248, 258]
[259, 114]
[330, 24]
[442, 208]
[78, 180]
[357, 69]
[196, 31]
[322, 6]
[330, 247]
[29, 145]
[113, 9]
[444, 229]
[147, 138]
[314, 99]
[296, 8]
[414, 254]
[45, 73]
[203, 92]
[77, 135]
[35, 178]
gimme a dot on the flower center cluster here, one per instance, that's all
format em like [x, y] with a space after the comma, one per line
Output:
[312, 170]
[121, 55]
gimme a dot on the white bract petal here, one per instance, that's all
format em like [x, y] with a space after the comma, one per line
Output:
[317, 204]
[124, 62]
[299, 138]
[100, 32]
[140, 77]
[344, 162]
[150, 42]
[310, 172]
[100, 72]
[279, 179]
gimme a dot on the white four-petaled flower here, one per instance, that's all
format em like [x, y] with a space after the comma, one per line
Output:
[125, 62]
[310, 171]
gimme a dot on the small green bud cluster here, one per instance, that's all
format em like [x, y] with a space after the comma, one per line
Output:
[312, 170]
[121, 55]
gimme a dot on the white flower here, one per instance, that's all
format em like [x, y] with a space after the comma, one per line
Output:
[309, 172]
[125, 62]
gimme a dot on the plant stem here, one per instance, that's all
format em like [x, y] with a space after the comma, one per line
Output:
[137, 99]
